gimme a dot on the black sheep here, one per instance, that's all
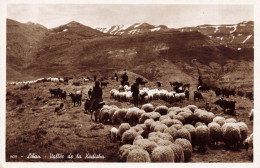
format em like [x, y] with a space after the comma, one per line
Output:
[59, 108]
[76, 98]
[197, 96]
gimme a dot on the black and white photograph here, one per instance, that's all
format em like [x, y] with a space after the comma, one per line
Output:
[129, 82]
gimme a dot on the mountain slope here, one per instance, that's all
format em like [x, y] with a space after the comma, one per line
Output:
[137, 28]
[237, 36]
[77, 50]
[23, 41]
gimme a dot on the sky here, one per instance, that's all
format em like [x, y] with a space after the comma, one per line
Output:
[105, 15]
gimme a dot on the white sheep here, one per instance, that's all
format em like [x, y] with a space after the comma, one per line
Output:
[243, 130]
[172, 131]
[249, 142]
[147, 107]
[230, 120]
[231, 134]
[178, 152]
[129, 136]
[186, 146]
[163, 110]
[138, 155]
[220, 120]
[183, 133]
[122, 128]
[160, 127]
[202, 137]
[215, 132]
[125, 150]
[113, 134]
[162, 154]
[146, 144]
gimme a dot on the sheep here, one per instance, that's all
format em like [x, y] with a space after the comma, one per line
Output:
[160, 127]
[248, 142]
[153, 125]
[204, 116]
[111, 113]
[119, 116]
[154, 139]
[132, 116]
[192, 132]
[163, 110]
[168, 122]
[183, 133]
[129, 136]
[163, 142]
[55, 92]
[230, 120]
[173, 109]
[144, 117]
[76, 98]
[162, 154]
[103, 115]
[138, 155]
[137, 128]
[57, 109]
[178, 117]
[113, 134]
[172, 131]
[199, 124]
[164, 117]
[140, 112]
[202, 137]
[251, 115]
[231, 134]
[186, 146]
[148, 123]
[164, 136]
[220, 120]
[122, 128]
[147, 107]
[215, 133]
[125, 150]
[192, 107]
[178, 152]
[146, 144]
[155, 116]
[243, 131]
[177, 126]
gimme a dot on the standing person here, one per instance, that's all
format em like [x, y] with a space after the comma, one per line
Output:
[96, 95]
[135, 91]
[124, 79]
[95, 78]
[89, 92]
[116, 76]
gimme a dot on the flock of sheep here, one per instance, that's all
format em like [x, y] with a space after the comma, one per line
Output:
[165, 134]
[146, 95]
[49, 79]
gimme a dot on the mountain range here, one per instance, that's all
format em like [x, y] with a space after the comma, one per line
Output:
[221, 54]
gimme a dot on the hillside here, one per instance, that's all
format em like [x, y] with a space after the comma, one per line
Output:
[23, 42]
[137, 28]
[237, 36]
[77, 50]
